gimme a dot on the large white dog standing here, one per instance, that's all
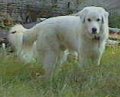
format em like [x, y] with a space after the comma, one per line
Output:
[86, 33]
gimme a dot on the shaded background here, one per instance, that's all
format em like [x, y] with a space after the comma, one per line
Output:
[27, 11]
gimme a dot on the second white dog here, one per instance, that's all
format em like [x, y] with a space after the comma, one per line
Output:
[26, 53]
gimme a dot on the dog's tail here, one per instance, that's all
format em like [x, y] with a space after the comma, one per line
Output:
[30, 35]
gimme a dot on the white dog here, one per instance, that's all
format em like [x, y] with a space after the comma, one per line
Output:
[25, 52]
[86, 33]
[94, 34]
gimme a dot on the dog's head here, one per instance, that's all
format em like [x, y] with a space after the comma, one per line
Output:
[93, 19]
[15, 35]
[18, 28]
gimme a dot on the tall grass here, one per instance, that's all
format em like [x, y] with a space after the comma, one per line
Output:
[23, 80]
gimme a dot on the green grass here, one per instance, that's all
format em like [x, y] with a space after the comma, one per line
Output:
[23, 80]
[114, 21]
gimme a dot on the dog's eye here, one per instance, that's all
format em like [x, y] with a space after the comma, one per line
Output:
[89, 20]
[13, 32]
[98, 20]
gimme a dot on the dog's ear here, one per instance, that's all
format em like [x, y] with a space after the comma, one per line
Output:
[82, 14]
[105, 17]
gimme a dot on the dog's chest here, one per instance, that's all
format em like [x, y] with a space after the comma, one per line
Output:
[91, 47]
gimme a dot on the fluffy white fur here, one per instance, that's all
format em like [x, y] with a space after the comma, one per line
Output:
[25, 52]
[73, 33]
[92, 45]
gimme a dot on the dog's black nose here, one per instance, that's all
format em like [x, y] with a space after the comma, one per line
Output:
[94, 30]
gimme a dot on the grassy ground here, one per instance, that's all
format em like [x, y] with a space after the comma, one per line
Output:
[22, 80]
